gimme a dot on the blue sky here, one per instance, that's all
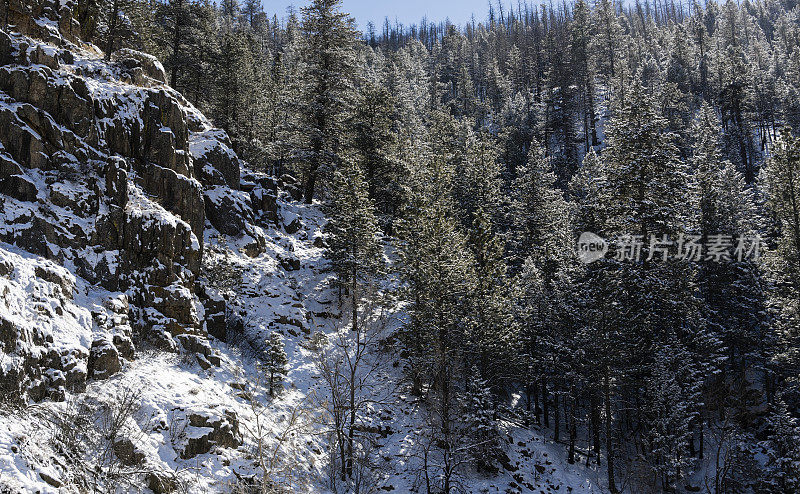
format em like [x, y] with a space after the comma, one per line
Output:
[406, 11]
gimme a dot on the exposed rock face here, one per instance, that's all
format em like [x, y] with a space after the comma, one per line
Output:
[161, 482]
[228, 211]
[147, 65]
[127, 453]
[106, 170]
[215, 320]
[44, 335]
[104, 360]
[222, 431]
[215, 160]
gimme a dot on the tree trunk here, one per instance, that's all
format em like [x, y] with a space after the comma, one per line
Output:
[544, 405]
[310, 184]
[556, 418]
[572, 432]
[176, 41]
[594, 417]
[351, 429]
[112, 29]
[612, 485]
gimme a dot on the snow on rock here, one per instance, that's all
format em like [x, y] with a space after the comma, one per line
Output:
[42, 327]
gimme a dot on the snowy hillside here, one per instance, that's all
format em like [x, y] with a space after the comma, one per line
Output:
[143, 271]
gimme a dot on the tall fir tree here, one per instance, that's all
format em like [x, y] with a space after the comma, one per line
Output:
[328, 72]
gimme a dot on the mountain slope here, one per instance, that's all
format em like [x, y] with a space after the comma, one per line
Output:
[142, 269]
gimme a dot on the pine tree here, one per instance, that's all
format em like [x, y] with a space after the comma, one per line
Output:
[284, 139]
[491, 330]
[274, 363]
[668, 414]
[607, 41]
[646, 199]
[781, 179]
[328, 73]
[115, 25]
[477, 180]
[176, 19]
[355, 254]
[376, 142]
[584, 71]
[480, 425]
[733, 291]
[437, 270]
[238, 99]
[784, 454]
[539, 216]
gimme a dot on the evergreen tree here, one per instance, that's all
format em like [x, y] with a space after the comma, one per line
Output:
[646, 200]
[733, 291]
[480, 426]
[437, 269]
[477, 180]
[608, 39]
[784, 453]
[274, 363]
[539, 216]
[176, 19]
[376, 142]
[491, 328]
[781, 179]
[582, 58]
[328, 74]
[354, 252]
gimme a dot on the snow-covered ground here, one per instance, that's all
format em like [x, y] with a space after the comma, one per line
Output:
[170, 388]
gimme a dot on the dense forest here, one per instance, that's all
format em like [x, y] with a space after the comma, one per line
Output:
[478, 154]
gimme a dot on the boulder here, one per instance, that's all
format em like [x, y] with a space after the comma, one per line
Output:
[45, 55]
[214, 158]
[319, 241]
[18, 187]
[194, 344]
[228, 211]
[265, 202]
[214, 308]
[9, 167]
[149, 65]
[127, 453]
[124, 346]
[103, 360]
[289, 263]
[222, 431]
[161, 482]
[176, 304]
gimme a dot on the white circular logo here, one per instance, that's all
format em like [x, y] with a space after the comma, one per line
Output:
[591, 247]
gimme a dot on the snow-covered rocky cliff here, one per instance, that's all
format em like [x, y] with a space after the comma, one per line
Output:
[116, 195]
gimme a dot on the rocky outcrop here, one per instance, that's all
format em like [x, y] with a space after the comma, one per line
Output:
[214, 158]
[140, 66]
[208, 431]
[263, 196]
[104, 360]
[42, 330]
[127, 452]
[107, 170]
[228, 211]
